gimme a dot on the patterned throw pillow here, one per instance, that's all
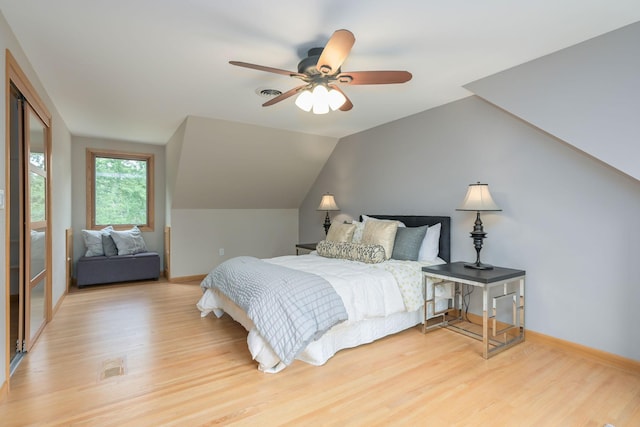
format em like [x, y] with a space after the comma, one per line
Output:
[370, 254]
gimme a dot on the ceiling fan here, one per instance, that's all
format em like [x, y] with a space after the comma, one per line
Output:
[320, 71]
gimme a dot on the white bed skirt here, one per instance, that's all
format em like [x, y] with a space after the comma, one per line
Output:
[344, 335]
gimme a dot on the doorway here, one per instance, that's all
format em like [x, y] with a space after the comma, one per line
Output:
[28, 215]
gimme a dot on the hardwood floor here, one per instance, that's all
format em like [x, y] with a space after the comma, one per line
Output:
[182, 370]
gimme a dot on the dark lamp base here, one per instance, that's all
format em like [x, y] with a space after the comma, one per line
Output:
[479, 266]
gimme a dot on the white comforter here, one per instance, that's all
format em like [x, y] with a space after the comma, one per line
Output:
[367, 290]
[373, 292]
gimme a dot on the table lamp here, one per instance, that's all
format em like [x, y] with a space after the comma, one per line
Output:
[478, 199]
[328, 203]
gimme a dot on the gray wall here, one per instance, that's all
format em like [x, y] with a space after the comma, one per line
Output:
[153, 239]
[201, 239]
[569, 220]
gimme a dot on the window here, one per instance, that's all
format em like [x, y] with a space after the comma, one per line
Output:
[119, 189]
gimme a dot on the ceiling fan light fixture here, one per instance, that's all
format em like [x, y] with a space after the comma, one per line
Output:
[336, 99]
[320, 99]
[304, 101]
[320, 108]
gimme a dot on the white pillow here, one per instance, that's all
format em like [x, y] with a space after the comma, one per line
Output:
[93, 241]
[339, 232]
[381, 233]
[430, 246]
[129, 242]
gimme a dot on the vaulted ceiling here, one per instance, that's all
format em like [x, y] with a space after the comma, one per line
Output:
[134, 70]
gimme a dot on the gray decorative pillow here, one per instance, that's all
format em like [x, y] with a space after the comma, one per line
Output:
[93, 241]
[129, 242]
[370, 254]
[109, 245]
[408, 242]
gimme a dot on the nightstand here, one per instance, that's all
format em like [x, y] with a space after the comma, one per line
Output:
[502, 304]
[305, 248]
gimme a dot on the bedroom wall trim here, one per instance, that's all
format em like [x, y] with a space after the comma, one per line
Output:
[167, 253]
[609, 359]
[589, 352]
[182, 279]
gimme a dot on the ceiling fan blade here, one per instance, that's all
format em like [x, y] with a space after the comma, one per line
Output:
[268, 69]
[348, 105]
[373, 77]
[284, 95]
[335, 52]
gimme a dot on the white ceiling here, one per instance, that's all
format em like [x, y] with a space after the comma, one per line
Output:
[134, 69]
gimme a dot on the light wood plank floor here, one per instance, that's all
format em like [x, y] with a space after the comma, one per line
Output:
[181, 370]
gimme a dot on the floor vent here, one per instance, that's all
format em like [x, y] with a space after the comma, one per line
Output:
[112, 368]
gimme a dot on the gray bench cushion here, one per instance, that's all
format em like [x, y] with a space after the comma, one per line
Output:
[120, 268]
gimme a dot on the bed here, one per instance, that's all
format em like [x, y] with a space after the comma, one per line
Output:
[379, 298]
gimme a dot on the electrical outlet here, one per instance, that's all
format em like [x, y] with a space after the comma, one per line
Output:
[221, 251]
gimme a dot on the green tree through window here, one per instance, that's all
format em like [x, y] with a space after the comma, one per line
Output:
[37, 186]
[121, 189]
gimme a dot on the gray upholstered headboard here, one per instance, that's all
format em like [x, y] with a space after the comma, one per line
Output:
[417, 221]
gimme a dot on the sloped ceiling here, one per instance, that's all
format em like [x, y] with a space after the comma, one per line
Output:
[134, 70]
[587, 95]
[230, 165]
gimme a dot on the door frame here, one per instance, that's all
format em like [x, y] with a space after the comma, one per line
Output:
[14, 75]
[32, 279]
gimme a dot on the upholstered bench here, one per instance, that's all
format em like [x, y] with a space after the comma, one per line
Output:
[98, 270]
